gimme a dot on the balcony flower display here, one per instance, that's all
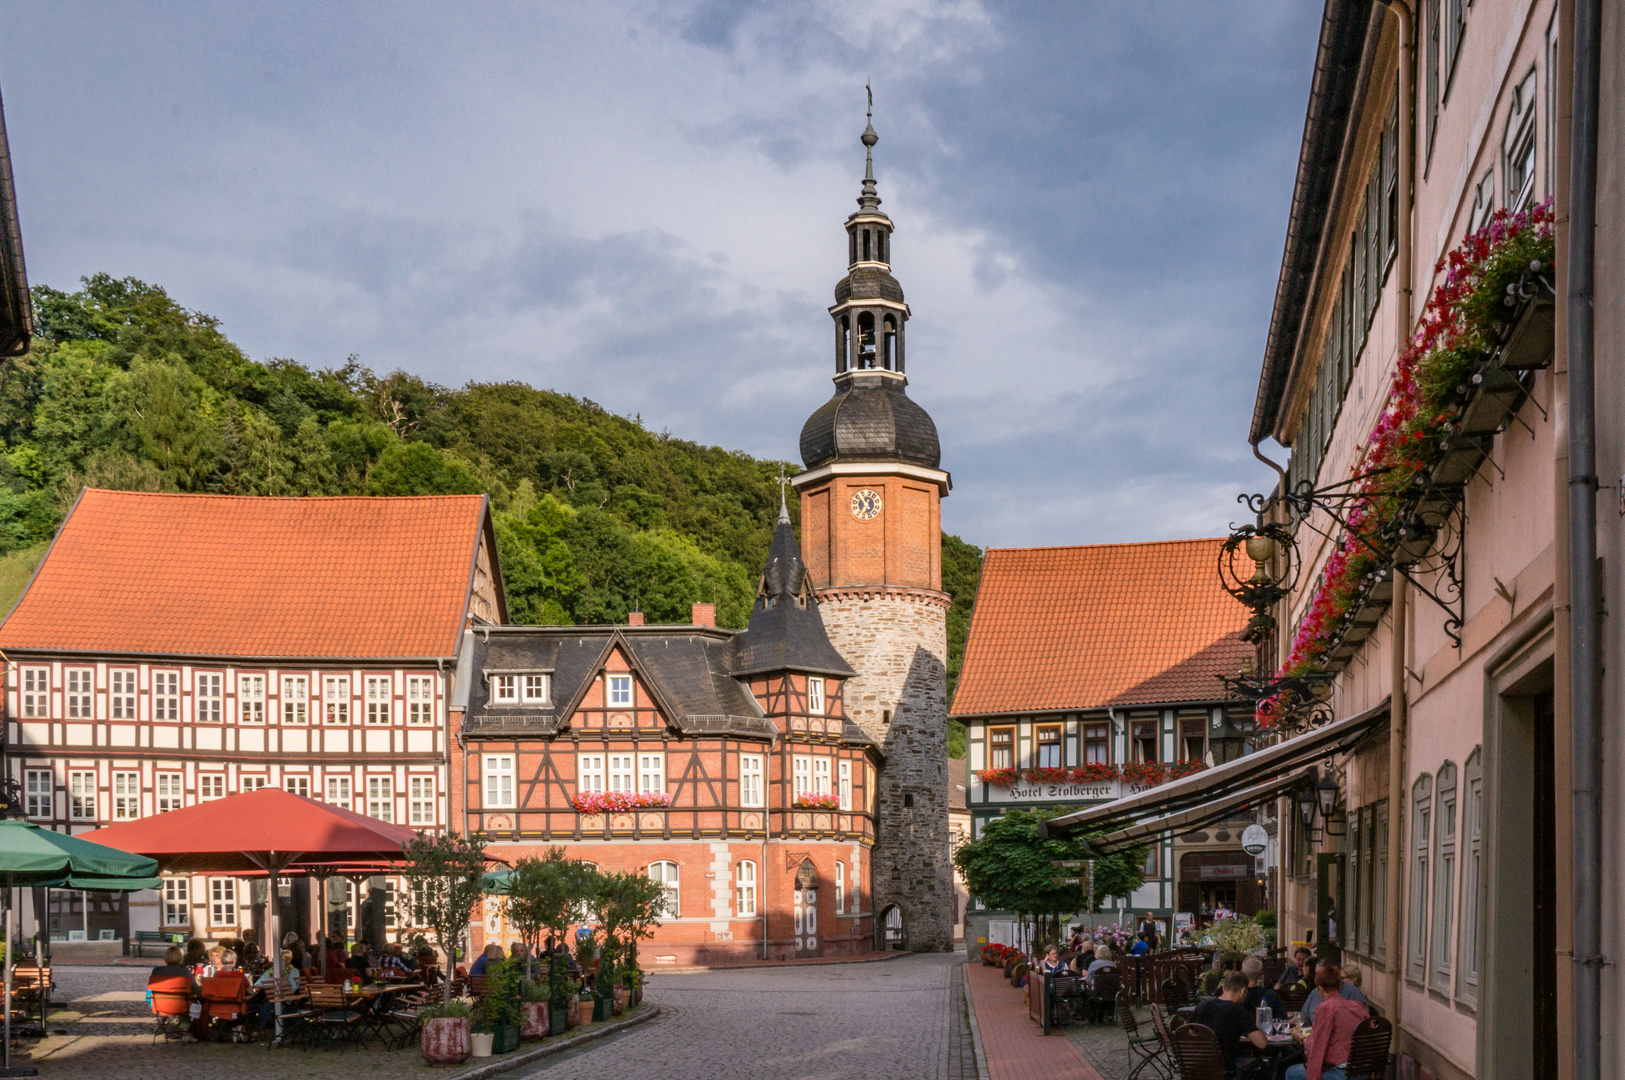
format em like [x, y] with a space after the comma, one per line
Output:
[818, 802]
[610, 802]
[1177, 769]
[999, 777]
[1458, 336]
[1144, 773]
[1096, 772]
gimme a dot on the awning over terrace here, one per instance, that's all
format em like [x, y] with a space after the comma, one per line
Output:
[1194, 798]
[1204, 815]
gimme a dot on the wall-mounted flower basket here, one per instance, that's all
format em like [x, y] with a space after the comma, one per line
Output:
[818, 802]
[601, 802]
[1532, 339]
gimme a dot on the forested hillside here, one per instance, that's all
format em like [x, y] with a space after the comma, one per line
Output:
[595, 515]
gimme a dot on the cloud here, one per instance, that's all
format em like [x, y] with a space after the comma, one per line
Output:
[642, 203]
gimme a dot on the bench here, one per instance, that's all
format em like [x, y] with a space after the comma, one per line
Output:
[160, 938]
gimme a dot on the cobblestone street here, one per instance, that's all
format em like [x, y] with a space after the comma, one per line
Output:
[902, 1019]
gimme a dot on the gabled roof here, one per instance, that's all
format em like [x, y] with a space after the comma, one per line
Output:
[786, 632]
[236, 576]
[1099, 625]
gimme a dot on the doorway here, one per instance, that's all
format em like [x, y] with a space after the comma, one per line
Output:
[805, 910]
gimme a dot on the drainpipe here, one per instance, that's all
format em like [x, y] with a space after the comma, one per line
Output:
[1585, 671]
[1399, 708]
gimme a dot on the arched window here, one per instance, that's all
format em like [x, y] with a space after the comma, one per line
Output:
[880, 245]
[1416, 927]
[866, 340]
[890, 326]
[745, 889]
[852, 243]
[666, 874]
[865, 245]
[843, 343]
[840, 887]
[1444, 876]
[1469, 944]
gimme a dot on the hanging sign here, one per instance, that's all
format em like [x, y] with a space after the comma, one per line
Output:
[1254, 840]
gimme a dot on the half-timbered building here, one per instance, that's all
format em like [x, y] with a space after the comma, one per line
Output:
[719, 762]
[173, 649]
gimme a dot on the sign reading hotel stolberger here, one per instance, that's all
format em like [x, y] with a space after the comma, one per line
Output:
[1062, 791]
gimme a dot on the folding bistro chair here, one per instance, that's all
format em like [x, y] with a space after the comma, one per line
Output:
[1368, 1052]
[1196, 1049]
[334, 1019]
[225, 999]
[171, 998]
[1144, 1048]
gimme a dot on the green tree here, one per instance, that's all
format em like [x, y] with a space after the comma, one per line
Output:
[419, 469]
[445, 875]
[626, 906]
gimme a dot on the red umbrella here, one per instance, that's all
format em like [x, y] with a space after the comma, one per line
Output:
[269, 831]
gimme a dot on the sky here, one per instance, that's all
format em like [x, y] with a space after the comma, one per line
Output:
[642, 204]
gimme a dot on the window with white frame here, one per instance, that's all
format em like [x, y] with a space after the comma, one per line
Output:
[750, 780]
[338, 791]
[81, 696]
[126, 796]
[295, 699]
[538, 688]
[336, 694]
[590, 772]
[251, 699]
[815, 696]
[208, 697]
[121, 696]
[1433, 66]
[1416, 952]
[420, 699]
[1483, 202]
[1444, 876]
[857, 895]
[620, 689]
[82, 796]
[621, 772]
[222, 901]
[297, 785]
[666, 874]
[821, 776]
[1455, 28]
[37, 790]
[168, 792]
[166, 695]
[1472, 877]
[380, 698]
[211, 786]
[1047, 752]
[36, 691]
[745, 889]
[651, 774]
[177, 902]
[801, 776]
[381, 798]
[420, 792]
[498, 780]
[506, 688]
[840, 887]
[250, 783]
[844, 778]
[1518, 147]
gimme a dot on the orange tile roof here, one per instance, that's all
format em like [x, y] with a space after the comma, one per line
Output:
[229, 576]
[1104, 624]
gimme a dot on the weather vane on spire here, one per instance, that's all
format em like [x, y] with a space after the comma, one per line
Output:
[869, 200]
[784, 508]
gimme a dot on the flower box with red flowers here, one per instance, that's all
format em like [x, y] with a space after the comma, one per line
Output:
[1047, 776]
[1144, 773]
[999, 777]
[616, 802]
[1179, 769]
[1095, 772]
[818, 802]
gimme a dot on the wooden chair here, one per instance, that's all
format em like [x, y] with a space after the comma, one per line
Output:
[335, 1020]
[1174, 994]
[1160, 1023]
[1103, 991]
[1294, 996]
[402, 1016]
[1196, 1049]
[171, 1006]
[293, 1006]
[1144, 1048]
[1368, 1051]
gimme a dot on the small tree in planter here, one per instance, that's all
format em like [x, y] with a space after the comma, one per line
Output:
[499, 1011]
[627, 907]
[445, 1038]
[445, 874]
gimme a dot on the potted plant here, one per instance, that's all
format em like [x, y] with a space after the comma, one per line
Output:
[535, 1020]
[633, 977]
[500, 1009]
[447, 873]
[561, 991]
[446, 1038]
[584, 1007]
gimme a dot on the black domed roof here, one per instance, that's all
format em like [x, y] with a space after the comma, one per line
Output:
[870, 418]
[868, 283]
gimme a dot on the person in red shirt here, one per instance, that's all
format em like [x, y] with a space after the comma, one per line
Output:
[1336, 1018]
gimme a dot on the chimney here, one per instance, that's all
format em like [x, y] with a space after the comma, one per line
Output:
[634, 618]
[704, 615]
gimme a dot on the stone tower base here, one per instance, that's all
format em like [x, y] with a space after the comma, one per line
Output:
[897, 639]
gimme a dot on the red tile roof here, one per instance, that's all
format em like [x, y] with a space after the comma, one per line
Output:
[230, 576]
[1104, 624]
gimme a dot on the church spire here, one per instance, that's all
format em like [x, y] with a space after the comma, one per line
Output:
[869, 201]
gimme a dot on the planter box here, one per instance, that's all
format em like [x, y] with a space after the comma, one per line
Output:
[582, 1013]
[622, 994]
[1491, 403]
[558, 1019]
[446, 1040]
[484, 1042]
[534, 1019]
[603, 1008]
[1459, 463]
[505, 1039]
[1532, 341]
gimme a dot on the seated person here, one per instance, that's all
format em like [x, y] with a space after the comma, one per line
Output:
[1141, 945]
[267, 979]
[359, 962]
[394, 961]
[1257, 995]
[1102, 962]
[335, 957]
[1346, 989]
[1212, 980]
[1294, 971]
[1230, 1021]
[1328, 1045]
[197, 954]
[1051, 962]
[1075, 942]
[173, 967]
[491, 955]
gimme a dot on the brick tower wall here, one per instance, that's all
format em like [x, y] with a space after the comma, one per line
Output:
[897, 639]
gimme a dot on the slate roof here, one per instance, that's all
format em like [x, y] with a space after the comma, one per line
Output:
[786, 631]
[234, 576]
[870, 418]
[1099, 625]
[868, 283]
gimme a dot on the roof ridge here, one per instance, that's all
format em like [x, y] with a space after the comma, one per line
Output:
[1113, 544]
[200, 495]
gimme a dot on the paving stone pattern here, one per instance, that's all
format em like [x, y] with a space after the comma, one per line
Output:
[902, 1019]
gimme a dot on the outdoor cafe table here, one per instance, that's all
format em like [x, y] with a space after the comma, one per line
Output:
[374, 998]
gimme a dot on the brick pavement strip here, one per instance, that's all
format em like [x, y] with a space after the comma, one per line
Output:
[905, 1019]
[1014, 1047]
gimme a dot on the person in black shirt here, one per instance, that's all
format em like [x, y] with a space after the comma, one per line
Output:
[1257, 995]
[1294, 971]
[1230, 1022]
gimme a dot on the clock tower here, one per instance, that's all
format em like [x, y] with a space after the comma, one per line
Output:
[871, 536]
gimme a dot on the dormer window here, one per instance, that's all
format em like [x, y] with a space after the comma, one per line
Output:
[620, 689]
[507, 688]
[538, 688]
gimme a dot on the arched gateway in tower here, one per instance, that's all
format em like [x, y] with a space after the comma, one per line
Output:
[871, 536]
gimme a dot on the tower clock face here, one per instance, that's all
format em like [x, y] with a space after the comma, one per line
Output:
[865, 504]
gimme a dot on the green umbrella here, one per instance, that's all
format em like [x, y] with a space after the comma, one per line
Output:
[30, 855]
[497, 881]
